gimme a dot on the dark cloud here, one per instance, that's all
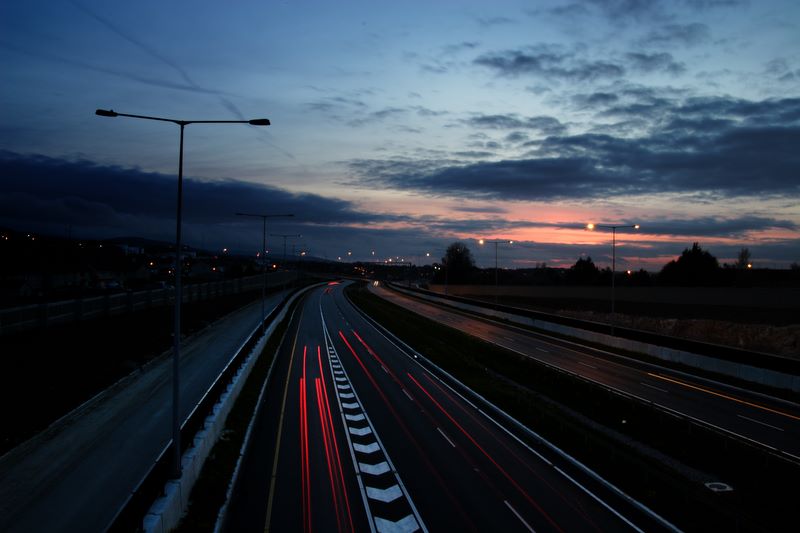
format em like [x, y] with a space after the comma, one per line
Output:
[548, 64]
[715, 226]
[543, 124]
[481, 209]
[710, 4]
[460, 47]
[597, 99]
[678, 34]
[45, 192]
[475, 154]
[780, 69]
[654, 62]
[621, 10]
[425, 112]
[568, 11]
[516, 137]
[494, 21]
[335, 104]
[719, 146]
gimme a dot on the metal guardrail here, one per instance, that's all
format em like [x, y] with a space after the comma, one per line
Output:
[725, 353]
[151, 486]
[31, 317]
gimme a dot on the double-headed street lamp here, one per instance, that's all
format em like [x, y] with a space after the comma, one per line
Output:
[263, 258]
[176, 426]
[482, 242]
[285, 236]
[613, 229]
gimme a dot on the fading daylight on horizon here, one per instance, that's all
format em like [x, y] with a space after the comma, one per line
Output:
[401, 127]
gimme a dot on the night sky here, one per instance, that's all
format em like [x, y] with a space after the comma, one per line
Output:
[399, 127]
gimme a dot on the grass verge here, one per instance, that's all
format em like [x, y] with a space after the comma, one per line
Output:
[611, 434]
[210, 490]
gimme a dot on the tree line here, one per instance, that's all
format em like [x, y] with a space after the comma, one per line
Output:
[694, 267]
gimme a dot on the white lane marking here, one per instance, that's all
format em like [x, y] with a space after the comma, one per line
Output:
[341, 378]
[760, 422]
[354, 418]
[385, 369]
[652, 387]
[347, 395]
[375, 470]
[446, 437]
[360, 431]
[404, 525]
[350, 405]
[519, 516]
[386, 495]
[409, 396]
[587, 364]
[343, 386]
[542, 350]
[372, 447]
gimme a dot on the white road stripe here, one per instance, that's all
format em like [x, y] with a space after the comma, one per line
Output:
[372, 447]
[347, 395]
[520, 517]
[446, 437]
[350, 405]
[587, 364]
[386, 495]
[409, 395]
[652, 387]
[542, 350]
[404, 525]
[360, 431]
[355, 418]
[760, 422]
[375, 470]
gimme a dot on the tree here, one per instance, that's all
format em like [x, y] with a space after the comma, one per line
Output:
[458, 262]
[694, 267]
[744, 259]
[583, 272]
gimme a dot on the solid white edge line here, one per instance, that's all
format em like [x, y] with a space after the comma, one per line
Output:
[494, 320]
[329, 339]
[330, 348]
[526, 524]
[759, 422]
[408, 351]
[653, 387]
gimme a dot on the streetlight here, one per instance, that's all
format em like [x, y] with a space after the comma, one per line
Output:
[176, 426]
[482, 242]
[263, 258]
[613, 229]
[285, 236]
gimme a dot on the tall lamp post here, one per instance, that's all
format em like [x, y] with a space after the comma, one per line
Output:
[613, 229]
[176, 352]
[285, 236]
[482, 242]
[263, 258]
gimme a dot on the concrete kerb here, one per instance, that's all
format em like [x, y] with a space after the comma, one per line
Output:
[166, 512]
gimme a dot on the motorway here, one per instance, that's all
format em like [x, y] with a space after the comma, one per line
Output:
[772, 422]
[75, 475]
[353, 434]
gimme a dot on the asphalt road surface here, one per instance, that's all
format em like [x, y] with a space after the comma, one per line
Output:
[355, 435]
[772, 422]
[75, 475]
